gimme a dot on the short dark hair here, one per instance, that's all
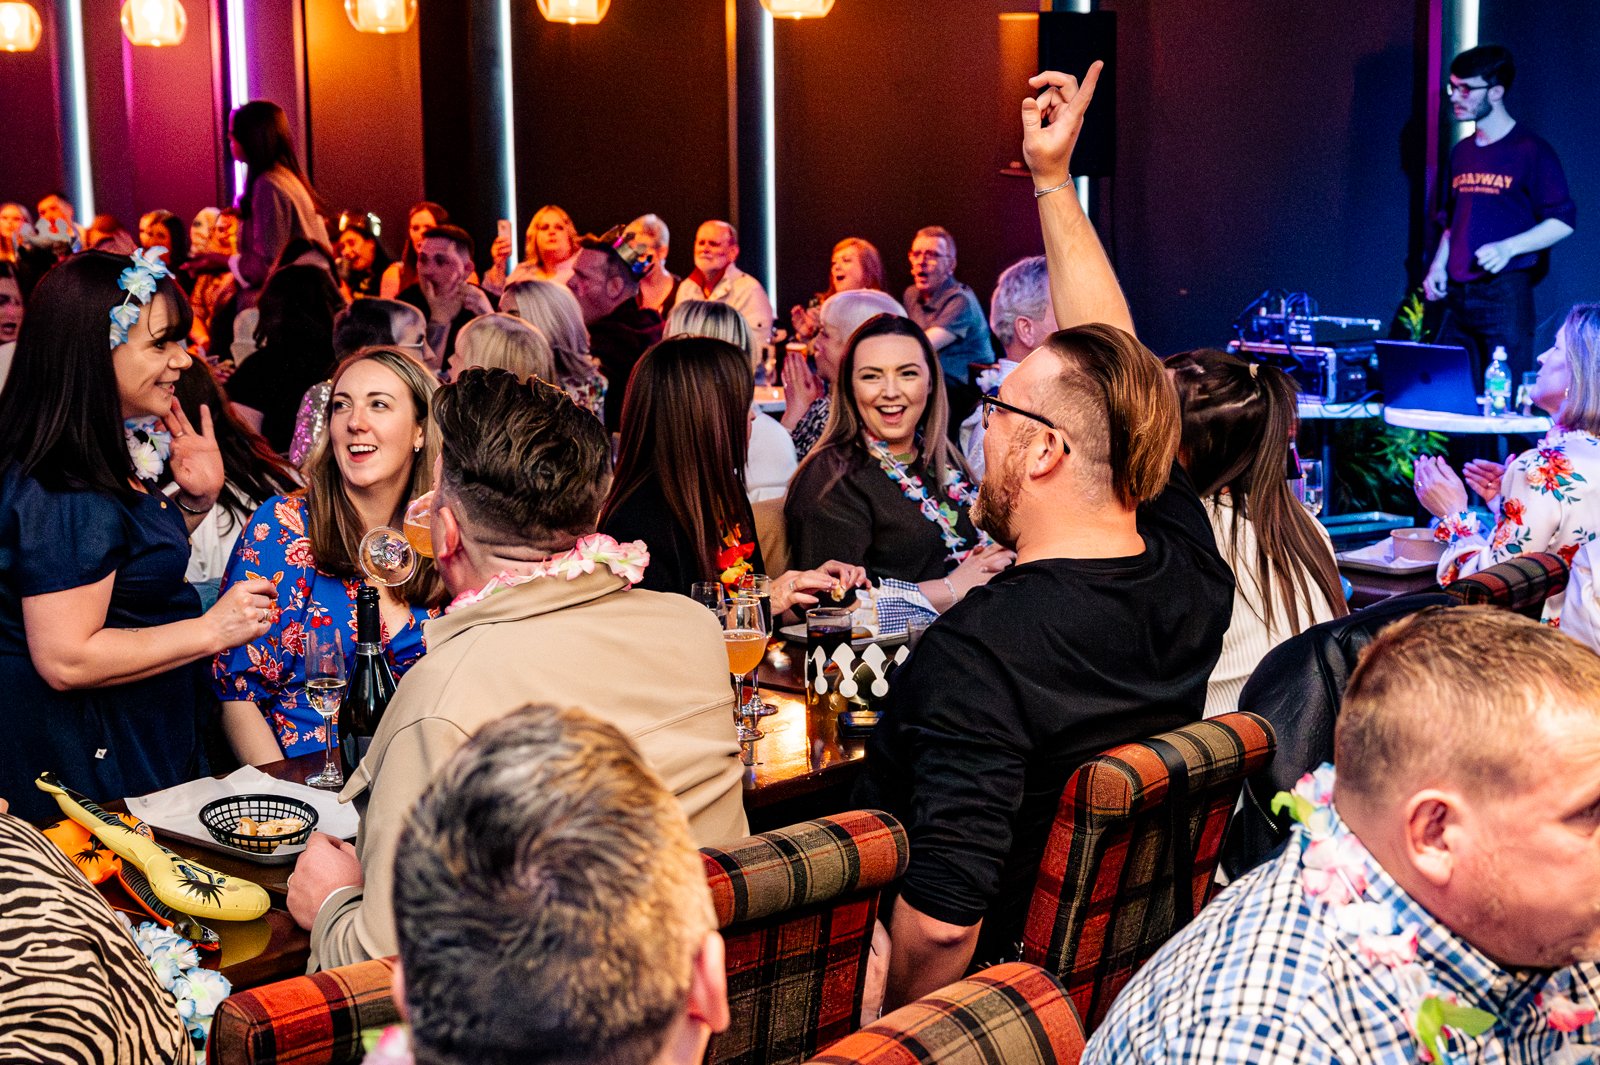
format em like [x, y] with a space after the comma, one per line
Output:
[522, 462]
[1491, 62]
[455, 235]
[365, 324]
[616, 265]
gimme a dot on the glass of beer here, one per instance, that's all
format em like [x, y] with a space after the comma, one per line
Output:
[827, 630]
[744, 637]
[418, 524]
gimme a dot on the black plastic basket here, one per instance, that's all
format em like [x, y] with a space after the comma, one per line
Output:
[221, 816]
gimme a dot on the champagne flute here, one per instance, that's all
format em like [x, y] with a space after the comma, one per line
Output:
[744, 637]
[1311, 486]
[325, 681]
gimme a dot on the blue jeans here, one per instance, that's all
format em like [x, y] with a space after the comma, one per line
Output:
[1498, 310]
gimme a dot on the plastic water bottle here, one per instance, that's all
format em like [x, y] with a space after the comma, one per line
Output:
[1497, 384]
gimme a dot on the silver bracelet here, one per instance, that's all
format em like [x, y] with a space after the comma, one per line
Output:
[178, 499]
[1053, 188]
[954, 598]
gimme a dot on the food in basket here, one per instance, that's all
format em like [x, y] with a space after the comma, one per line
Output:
[279, 826]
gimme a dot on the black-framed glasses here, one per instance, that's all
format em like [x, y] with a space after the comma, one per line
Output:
[1461, 88]
[989, 403]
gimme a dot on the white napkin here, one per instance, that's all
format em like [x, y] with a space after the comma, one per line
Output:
[177, 809]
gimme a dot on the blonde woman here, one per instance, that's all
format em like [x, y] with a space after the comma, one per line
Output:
[503, 342]
[377, 456]
[553, 310]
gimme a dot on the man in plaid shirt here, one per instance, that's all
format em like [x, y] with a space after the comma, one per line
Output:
[1439, 901]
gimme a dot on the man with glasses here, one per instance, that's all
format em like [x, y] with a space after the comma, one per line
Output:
[947, 310]
[1508, 203]
[1105, 631]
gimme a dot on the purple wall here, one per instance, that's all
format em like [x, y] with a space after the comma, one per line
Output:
[30, 143]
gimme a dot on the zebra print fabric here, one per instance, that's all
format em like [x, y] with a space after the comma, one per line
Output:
[74, 989]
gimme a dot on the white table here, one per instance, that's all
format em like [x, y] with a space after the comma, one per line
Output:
[1313, 410]
[769, 399]
[1438, 421]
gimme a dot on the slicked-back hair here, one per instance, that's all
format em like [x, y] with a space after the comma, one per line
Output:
[549, 902]
[1117, 407]
[1468, 696]
[61, 411]
[523, 464]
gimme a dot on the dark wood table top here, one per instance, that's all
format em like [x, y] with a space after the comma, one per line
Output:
[1375, 587]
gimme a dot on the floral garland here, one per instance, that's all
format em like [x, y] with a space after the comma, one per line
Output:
[1335, 872]
[627, 561]
[941, 514]
[139, 282]
[176, 964]
[149, 444]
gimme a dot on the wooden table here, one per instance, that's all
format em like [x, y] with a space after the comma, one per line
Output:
[1372, 588]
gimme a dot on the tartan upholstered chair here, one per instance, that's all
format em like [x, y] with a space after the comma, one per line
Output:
[796, 908]
[1133, 851]
[1522, 583]
[1014, 1014]
[309, 1020]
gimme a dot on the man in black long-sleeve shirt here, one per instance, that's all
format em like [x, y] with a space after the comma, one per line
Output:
[1105, 631]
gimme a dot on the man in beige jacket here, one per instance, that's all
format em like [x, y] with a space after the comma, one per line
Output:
[544, 613]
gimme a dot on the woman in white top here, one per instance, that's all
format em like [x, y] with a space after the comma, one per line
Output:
[1547, 498]
[1238, 422]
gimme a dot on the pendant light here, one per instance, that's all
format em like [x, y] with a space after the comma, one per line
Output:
[798, 9]
[20, 28]
[154, 23]
[574, 12]
[381, 16]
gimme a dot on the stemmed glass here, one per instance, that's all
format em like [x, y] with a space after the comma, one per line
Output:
[325, 681]
[387, 557]
[744, 636]
[709, 594]
[418, 525]
[760, 586]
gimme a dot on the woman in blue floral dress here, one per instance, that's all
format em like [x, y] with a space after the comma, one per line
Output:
[377, 456]
[1547, 498]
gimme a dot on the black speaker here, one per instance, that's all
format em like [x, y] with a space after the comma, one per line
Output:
[1069, 41]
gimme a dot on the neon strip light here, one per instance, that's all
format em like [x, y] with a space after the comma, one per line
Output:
[83, 193]
[769, 152]
[508, 130]
[1466, 37]
[238, 71]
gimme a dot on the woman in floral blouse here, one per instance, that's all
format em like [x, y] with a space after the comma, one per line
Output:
[377, 456]
[1548, 498]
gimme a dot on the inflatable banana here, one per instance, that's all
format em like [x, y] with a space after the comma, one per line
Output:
[178, 883]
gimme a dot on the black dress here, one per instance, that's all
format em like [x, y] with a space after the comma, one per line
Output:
[864, 519]
[112, 742]
[643, 515]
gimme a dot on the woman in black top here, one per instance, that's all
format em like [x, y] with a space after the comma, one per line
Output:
[679, 483]
[294, 351]
[884, 488]
[98, 629]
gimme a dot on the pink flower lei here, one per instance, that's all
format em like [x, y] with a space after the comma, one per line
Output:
[627, 561]
[1335, 873]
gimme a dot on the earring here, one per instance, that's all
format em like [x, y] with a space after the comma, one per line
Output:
[416, 449]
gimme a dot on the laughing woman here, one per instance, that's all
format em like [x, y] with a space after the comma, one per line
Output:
[884, 488]
[377, 456]
[99, 632]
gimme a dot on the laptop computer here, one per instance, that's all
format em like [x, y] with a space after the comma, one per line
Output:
[1427, 377]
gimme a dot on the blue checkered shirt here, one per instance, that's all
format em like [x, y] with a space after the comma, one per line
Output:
[1264, 975]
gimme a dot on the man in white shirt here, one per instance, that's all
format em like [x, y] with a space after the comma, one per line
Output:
[1022, 317]
[717, 277]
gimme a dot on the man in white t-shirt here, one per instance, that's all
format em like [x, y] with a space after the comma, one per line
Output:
[717, 277]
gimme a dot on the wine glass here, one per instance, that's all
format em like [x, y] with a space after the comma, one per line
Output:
[709, 594]
[387, 557]
[744, 637]
[418, 524]
[1311, 485]
[1525, 394]
[325, 681]
[760, 586]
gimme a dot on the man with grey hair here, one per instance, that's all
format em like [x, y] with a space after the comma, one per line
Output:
[551, 907]
[806, 394]
[1022, 316]
[717, 277]
[947, 310]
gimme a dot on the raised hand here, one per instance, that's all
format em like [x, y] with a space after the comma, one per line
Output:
[1484, 477]
[1052, 121]
[801, 388]
[196, 461]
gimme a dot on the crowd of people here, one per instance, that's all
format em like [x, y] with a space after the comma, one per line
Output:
[197, 431]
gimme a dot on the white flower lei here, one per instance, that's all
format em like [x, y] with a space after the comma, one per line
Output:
[139, 282]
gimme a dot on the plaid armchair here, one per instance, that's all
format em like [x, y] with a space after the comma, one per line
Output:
[1014, 1014]
[796, 908]
[1521, 584]
[1112, 885]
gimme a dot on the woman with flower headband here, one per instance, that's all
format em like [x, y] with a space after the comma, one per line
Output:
[376, 456]
[884, 488]
[99, 632]
[1547, 498]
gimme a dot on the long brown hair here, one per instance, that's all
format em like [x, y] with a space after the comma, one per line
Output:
[685, 425]
[842, 437]
[1238, 420]
[332, 524]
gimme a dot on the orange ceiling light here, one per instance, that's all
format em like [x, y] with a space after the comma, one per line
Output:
[574, 12]
[154, 23]
[798, 9]
[20, 28]
[381, 16]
